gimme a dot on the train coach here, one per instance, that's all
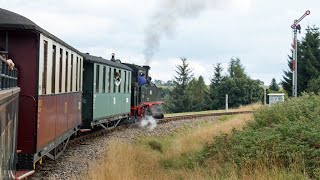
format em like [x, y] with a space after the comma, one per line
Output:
[106, 92]
[50, 79]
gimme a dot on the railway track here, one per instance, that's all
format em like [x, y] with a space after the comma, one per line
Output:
[175, 118]
[101, 132]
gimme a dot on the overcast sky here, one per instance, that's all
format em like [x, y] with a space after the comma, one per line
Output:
[258, 32]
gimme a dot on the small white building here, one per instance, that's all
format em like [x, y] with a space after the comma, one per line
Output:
[275, 98]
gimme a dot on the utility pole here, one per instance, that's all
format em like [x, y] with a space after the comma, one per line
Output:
[264, 96]
[296, 27]
[227, 103]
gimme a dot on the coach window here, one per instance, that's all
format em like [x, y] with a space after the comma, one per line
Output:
[45, 63]
[66, 78]
[53, 77]
[80, 75]
[104, 74]
[114, 84]
[109, 81]
[129, 79]
[71, 79]
[125, 81]
[97, 78]
[77, 73]
[119, 87]
[60, 71]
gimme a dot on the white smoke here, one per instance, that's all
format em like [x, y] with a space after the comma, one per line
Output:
[164, 22]
[148, 122]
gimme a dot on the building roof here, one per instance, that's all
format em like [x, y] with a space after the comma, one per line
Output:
[276, 94]
[95, 59]
[13, 21]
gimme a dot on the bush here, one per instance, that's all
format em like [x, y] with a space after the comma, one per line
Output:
[285, 135]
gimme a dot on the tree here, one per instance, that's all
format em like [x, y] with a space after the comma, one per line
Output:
[198, 91]
[217, 78]
[241, 91]
[236, 70]
[308, 61]
[314, 86]
[274, 86]
[215, 81]
[179, 99]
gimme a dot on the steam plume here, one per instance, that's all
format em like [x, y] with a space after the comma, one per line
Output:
[164, 22]
[149, 122]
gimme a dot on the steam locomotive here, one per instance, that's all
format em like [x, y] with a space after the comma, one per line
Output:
[63, 93]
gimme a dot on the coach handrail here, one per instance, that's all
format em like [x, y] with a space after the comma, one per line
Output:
[8, 93]
[8, 78]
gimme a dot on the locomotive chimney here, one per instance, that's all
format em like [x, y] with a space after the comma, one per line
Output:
[147, 73]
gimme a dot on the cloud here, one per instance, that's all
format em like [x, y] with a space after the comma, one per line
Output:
[242, 6]
[256, 31]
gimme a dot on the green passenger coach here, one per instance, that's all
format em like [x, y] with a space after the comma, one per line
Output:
[106, 92]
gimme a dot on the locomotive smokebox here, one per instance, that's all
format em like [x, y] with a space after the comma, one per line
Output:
[147, 73]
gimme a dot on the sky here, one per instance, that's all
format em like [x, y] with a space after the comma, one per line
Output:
[206, 32]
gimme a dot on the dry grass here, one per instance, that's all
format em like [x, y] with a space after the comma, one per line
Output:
[188, 141]
[250, 107]
[137, 161]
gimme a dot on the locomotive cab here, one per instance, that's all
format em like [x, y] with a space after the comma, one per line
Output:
[146, 98]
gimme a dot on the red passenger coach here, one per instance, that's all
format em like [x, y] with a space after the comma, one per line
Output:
[50, 78]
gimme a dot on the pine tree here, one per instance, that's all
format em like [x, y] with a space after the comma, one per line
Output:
[217, 78]
[274, 86]
[179, 99]
[314, 86]
[287, 78]
[308, 61]
[198, 91]
[236, 70]
[215, 81]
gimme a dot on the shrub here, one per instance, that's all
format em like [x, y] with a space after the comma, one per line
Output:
[285, 135]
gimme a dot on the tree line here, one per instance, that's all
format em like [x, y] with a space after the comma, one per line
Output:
[192, 94]
[188, 93]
